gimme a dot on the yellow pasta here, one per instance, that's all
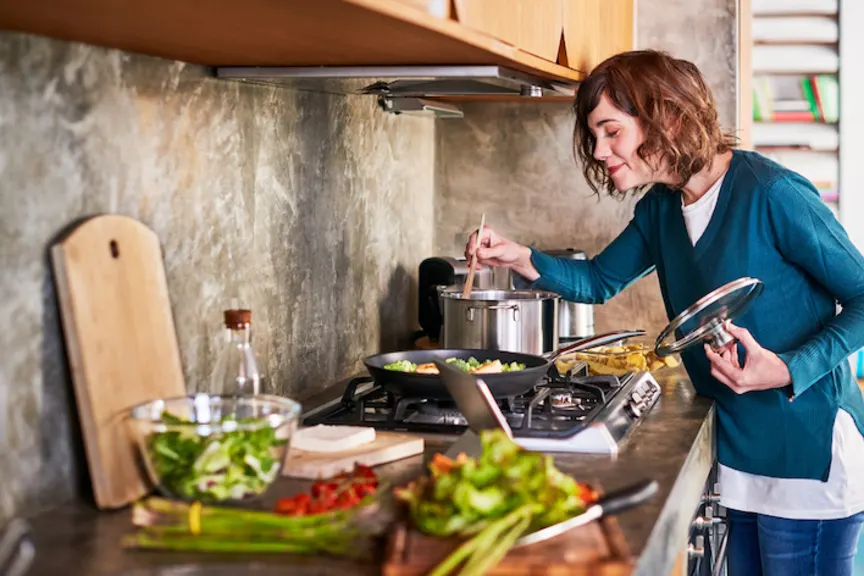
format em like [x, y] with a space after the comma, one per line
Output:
[618, 360]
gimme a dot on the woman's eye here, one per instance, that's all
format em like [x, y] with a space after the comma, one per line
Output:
[613, 134]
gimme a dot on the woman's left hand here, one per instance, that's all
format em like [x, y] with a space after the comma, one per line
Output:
[762, 370]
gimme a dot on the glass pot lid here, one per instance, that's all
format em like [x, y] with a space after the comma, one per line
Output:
[704, 321]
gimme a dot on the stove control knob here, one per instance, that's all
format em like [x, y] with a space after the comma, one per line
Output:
[634, 409]
[637, 398]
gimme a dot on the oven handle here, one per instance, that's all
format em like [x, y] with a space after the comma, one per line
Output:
[720, 558]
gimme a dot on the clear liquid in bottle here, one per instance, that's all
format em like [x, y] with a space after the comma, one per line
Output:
[236, 371]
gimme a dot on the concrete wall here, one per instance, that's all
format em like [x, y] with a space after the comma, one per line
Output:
[311, 209]
[515, 161]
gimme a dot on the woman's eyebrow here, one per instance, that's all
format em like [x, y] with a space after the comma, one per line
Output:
[604, 121]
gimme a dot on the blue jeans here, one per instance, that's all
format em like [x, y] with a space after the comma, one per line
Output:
[770, 546]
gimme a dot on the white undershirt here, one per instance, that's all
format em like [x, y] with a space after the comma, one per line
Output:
[803, 499]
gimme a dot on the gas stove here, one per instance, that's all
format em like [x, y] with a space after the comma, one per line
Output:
[569, 413]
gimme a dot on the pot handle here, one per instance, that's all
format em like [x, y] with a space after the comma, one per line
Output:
[469, 313]
[593, 342]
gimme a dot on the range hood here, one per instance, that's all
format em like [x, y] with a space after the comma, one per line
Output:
[406, 89]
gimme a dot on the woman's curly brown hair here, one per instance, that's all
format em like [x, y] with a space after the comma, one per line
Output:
[671, 101]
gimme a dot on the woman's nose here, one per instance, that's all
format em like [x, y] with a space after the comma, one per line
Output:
[601, 151]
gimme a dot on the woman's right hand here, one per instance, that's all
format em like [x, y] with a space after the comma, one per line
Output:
[495, 250]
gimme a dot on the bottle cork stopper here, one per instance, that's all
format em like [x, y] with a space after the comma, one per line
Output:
[237, 318]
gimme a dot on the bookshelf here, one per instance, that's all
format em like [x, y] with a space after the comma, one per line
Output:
[851, 153]
[797, 54]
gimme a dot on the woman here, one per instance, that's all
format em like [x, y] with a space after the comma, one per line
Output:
[790, 417]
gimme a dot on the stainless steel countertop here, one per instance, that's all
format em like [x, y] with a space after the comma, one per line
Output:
[672, 445]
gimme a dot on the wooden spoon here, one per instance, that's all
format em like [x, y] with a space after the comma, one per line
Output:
[469, 283]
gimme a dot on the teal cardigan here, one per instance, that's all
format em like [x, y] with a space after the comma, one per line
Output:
[769, 223]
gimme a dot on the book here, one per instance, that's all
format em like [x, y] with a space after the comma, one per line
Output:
[828, 95]
[792, 116]
[799, 105]
[807, 88]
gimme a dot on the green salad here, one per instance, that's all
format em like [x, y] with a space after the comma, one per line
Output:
[471, 365]
[226, 465]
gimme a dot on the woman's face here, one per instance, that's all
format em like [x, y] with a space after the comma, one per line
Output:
[618, 135]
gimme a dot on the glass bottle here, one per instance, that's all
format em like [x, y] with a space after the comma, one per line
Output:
[236, 371]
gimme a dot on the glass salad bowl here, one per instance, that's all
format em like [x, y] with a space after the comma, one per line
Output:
[214, 448]
[631, 355]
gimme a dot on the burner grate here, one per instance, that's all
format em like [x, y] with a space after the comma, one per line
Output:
[559, 405]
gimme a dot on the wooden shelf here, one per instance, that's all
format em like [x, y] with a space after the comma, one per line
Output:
[793, 73]
[831, 43]
[795, 15]
[758, 122]
[274, 33]
[795, 149]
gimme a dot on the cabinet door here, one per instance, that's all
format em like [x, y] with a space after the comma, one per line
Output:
[541, 23]
[595, 30]
[497, 18]
[534, 26]
[440, 8]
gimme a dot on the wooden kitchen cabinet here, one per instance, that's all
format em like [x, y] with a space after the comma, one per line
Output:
[497, 18]
[275, 33]
[439, 8]
[541, 25]
[534, 26]
[595, 30]
[520, 34]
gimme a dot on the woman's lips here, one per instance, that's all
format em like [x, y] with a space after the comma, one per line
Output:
[613, 169]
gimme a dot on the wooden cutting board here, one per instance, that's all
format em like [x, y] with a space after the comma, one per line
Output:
[387, 447]
[120, 340]
[596, 549]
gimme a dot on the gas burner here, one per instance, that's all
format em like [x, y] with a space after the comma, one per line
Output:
[559, 409]
[435, 413]
[571, 401]
[563, 400]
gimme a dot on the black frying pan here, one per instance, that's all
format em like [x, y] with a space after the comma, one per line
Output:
[410, 385]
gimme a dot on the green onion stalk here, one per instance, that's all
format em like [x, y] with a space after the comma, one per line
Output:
[171, 525]
[489, 546]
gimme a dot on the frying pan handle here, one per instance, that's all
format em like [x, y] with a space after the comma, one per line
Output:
[593, 342]
[626, 498]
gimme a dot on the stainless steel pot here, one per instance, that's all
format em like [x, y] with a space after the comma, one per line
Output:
[513, 320]
[575, 320]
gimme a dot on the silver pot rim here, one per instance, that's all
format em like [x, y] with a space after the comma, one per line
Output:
[493, 296]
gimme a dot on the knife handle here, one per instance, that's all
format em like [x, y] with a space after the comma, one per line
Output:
[626, 498]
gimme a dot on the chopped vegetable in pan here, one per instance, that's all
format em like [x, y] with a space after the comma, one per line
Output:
[472, 366]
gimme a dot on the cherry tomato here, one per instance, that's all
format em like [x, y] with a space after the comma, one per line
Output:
[341, 492]
[320, 489]
[287, 506]
[362, 471]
